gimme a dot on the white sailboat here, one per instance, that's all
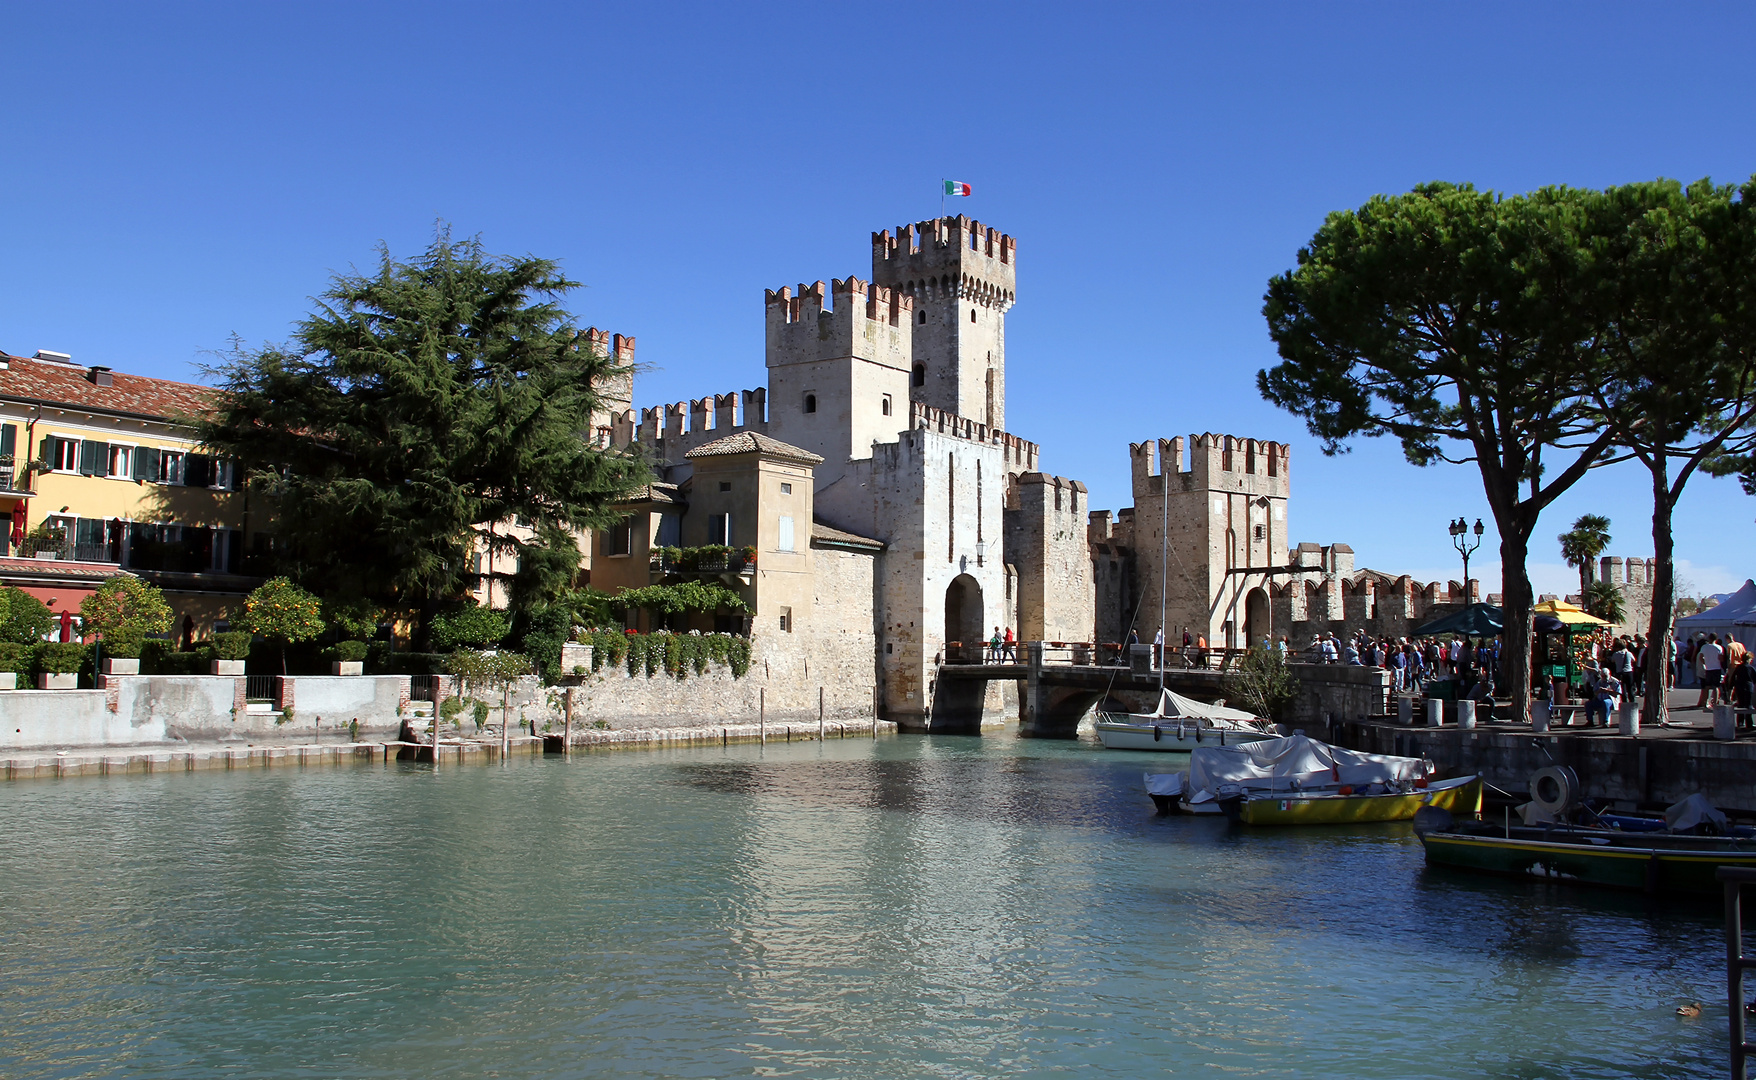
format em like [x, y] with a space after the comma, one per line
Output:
[1180, 723]
[1177, 723]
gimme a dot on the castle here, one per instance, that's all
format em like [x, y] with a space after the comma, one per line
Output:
[893, 523]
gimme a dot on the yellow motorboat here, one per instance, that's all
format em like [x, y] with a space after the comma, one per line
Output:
[1343, 805]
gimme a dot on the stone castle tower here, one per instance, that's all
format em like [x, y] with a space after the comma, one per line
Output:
[961, 275]
[1226, 508]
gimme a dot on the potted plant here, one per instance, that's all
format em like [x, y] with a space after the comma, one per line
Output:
[11, 659]
[121, 653]
[231, 648]
[347, 658]
[58, 664]
[123, 611]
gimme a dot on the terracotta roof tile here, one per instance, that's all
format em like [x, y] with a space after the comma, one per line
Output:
[750, 442]
[832, 535]
[69, 384]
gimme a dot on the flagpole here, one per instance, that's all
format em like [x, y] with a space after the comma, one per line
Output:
[942, 198]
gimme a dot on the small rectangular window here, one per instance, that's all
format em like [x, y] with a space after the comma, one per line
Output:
[122, 461]
[786, 533]
[786, 489]
[1259, 532]
[621, 537]
[725, 485]
[786, 620]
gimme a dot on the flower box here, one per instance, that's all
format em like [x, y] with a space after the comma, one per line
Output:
[227, 667]
[8, 680]
[121, 665]
[58, 680]
[347, 667]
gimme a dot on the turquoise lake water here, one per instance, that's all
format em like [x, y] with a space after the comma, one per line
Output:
[906, 907]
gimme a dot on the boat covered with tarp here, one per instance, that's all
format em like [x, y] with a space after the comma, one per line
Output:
[1299, 780]
[1180, 723]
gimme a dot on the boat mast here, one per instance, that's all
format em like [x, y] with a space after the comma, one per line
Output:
[1164, 559]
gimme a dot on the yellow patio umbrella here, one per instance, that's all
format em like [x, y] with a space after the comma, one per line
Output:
[1571, 617]
[1571, 614]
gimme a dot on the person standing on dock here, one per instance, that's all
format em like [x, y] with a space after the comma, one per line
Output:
[1710, 658]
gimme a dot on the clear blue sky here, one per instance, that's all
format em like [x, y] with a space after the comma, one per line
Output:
[178, 173]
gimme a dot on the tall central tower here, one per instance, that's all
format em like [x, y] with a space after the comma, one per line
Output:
[961, 275]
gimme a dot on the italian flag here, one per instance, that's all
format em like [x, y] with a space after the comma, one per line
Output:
[952, 187]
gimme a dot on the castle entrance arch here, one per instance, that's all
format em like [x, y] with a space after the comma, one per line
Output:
[963, 616]
[1256, 621]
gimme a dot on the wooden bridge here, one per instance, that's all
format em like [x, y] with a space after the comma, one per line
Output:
[1059, 684]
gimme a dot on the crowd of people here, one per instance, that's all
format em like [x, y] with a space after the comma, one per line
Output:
[1413, 662]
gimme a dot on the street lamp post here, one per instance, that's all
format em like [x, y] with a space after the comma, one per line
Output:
[1460, 539]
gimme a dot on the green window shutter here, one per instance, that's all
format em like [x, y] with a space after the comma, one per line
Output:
[46, 454]
[88, 458]
[9, 440]
[146, 463]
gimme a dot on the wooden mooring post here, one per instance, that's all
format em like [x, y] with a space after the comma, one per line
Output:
[1734, 879]
[820, 729]
[567, 722]
[762, 715]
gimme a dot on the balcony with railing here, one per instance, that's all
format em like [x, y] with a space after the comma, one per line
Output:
[60, 549]
[713, 561]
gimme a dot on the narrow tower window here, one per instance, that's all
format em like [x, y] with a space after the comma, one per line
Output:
[810, 402]
[972, 314]
[923, 318]
[886, 404]
[920, 375]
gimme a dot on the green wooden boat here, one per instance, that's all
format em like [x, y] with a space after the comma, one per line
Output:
[1649, 862]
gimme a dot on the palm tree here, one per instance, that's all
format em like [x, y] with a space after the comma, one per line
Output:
[1582, 544]
[1605, 601]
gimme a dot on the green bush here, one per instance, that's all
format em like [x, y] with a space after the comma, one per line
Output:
[380, 660]
[123, 645]
[124, 610]
[472, 627]
[544, 632]
[61, 657]
[232, 645]
[12, 656]
[23, 618]
[491, 667]
[348, 652]
[448, 710]
[161, 657]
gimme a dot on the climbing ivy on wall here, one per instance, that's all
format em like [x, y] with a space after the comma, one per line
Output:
[676, 655]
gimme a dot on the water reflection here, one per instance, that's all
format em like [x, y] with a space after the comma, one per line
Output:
[905, 907]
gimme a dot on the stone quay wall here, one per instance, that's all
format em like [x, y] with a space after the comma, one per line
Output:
[1641, 771]
[143, 710]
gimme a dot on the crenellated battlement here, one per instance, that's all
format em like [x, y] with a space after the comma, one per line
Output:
[948, 258]
[616, 346]
[1036, 490]
[1209, 461]
[1618, 570]
[933, 241]
[849, 317]
[669, 431]
[1021, 454]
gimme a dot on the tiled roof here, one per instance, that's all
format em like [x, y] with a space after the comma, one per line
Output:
[655, 493]
[830, 534]
[71, 385]
[750, 442]
[19, 569]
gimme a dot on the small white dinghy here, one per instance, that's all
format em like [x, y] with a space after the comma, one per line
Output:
[1180, 723]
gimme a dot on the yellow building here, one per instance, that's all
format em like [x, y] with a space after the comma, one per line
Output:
[101, 474]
